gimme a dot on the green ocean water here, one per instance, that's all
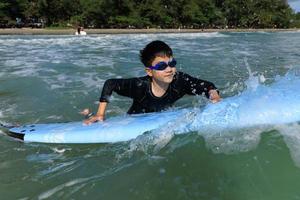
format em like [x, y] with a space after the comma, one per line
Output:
[46, 79]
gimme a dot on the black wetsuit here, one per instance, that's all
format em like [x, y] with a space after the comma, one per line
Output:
[144, 101]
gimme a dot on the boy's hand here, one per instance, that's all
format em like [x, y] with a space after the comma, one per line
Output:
[95, 118]
[100, 116]
[214, 96]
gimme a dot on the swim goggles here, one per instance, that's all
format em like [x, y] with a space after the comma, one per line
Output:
[163, 65]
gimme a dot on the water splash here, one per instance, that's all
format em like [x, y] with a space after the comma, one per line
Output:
[235, 124]
[263, 105]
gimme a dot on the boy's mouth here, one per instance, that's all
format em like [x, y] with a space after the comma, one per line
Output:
[170, 76]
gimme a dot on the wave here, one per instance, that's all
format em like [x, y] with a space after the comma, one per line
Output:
[96, 40]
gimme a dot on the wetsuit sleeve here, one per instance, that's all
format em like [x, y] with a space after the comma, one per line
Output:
[195, 86]
[124, 87]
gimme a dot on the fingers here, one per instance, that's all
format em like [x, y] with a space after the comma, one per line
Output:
[93, 120]
[215, 100]
[214, 96]
[85, 111]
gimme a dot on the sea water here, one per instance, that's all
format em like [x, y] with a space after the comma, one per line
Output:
[46, 79]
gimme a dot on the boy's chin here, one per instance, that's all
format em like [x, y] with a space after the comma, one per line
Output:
[168, 79]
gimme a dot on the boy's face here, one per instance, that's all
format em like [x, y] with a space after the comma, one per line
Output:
[166, 75]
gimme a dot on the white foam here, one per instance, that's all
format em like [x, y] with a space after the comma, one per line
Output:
[55, 117]
[58, 188]
[193, 35]
[79, 82]
[97, 41]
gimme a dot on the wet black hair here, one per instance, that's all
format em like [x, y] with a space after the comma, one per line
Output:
[154, 49]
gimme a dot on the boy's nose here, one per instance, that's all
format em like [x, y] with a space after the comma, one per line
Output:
[168, 69]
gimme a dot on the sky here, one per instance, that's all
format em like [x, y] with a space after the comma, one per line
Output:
[295, 4]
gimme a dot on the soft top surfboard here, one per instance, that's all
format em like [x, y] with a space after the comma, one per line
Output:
[115, 129]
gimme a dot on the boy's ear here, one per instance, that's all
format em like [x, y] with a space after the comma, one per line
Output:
[149, 72]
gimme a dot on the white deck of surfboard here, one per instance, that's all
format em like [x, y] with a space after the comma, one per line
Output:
[112, 130]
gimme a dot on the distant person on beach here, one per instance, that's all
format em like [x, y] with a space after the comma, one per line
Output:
[159, 89]
[80, 31]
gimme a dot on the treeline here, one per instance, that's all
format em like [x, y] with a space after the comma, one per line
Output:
[154, 13]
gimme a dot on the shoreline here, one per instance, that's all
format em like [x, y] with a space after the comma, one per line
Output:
[30, 31]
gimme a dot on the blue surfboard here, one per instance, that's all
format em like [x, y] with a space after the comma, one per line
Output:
[259, 105]
[111, 130]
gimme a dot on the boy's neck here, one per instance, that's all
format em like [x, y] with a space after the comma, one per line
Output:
[159, 88]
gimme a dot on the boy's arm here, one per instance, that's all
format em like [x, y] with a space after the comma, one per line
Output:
[124, 87]
[195, 86]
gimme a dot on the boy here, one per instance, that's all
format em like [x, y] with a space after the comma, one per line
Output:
[157, 91]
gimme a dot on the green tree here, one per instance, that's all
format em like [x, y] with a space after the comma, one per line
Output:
[4, 5]
[192, 15]
[154, 13]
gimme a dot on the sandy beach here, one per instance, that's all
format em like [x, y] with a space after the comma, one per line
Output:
[30, 31]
